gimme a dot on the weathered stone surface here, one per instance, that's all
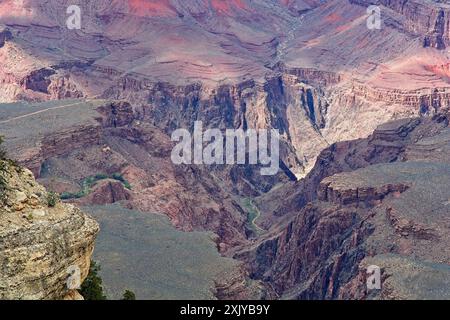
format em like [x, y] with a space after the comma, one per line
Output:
[39, 244]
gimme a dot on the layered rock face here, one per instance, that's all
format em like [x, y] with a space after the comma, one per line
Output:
[256, 64]
[424, 17]
[379, 201]
[297, 109]
[311, 69]
[41, 246]
[107, 139]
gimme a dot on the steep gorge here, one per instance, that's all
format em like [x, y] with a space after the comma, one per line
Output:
[334, 81]
[369, 200]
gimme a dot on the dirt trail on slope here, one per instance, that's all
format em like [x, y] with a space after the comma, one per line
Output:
[43, 110]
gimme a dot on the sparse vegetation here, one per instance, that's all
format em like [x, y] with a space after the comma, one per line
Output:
[92, 287]
[70, 195]
[119, 177]
[185, 278]
[89, 182]
[2, 150]
[52, 198]
[100, 176]
[128, 295]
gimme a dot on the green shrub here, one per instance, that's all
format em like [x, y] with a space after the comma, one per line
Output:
[65, 196]
[89, 182]
[127, 185]
[100, 176]
[2, 151]
[128, 295]
[92, 287]
[119, 177]
[71, 195]
[52, 199]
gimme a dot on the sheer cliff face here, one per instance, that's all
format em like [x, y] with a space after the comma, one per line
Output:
[40, 246]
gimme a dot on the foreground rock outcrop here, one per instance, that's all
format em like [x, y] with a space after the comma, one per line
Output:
[41, 246]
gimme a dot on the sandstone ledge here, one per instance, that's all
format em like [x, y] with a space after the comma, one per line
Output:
[39, 244]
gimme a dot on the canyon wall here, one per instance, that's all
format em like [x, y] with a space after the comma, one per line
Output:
[359, 194]
[429, 18]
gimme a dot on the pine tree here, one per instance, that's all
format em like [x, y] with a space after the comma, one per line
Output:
[92, 288]
[128, 295]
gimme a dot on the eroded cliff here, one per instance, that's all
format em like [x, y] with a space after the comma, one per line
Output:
[378, 201]
[42, 245]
